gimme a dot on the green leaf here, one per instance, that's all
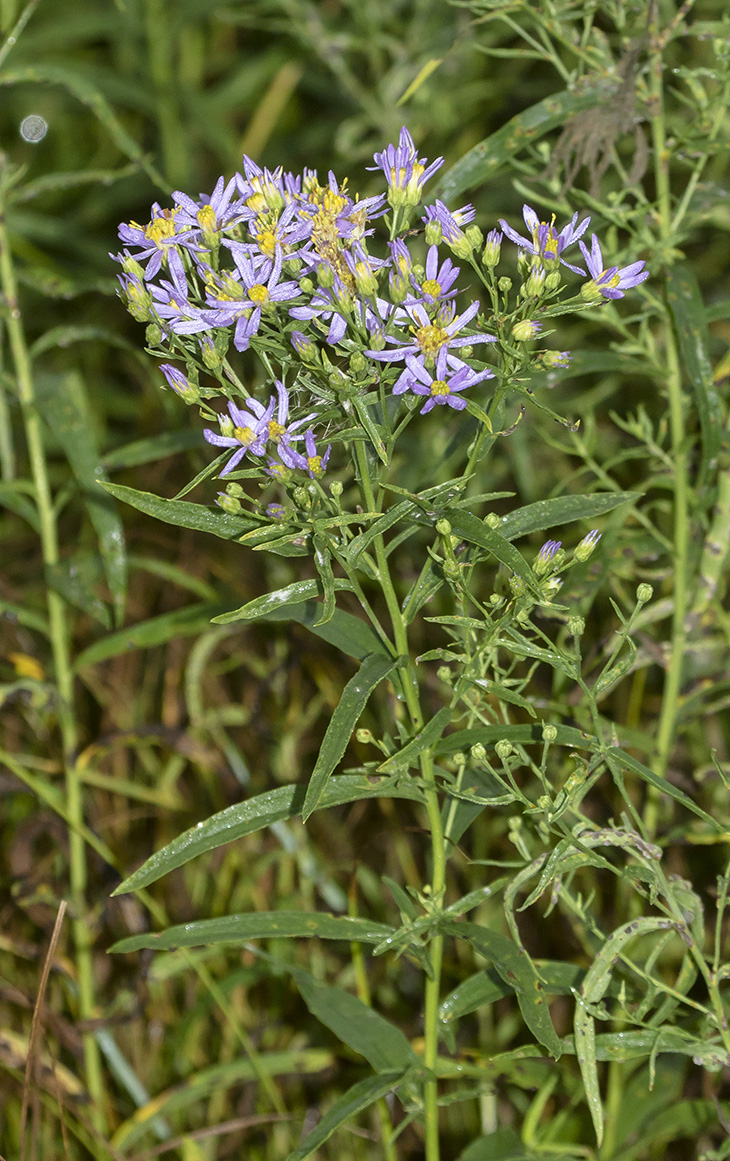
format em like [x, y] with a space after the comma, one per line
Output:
[359, 1027]
[76, 578]
[63, 405]
[14, 496]
[481, 163]
[182, 513]
[426, 737]
[688, 312]
[502, 1145]
[293, 594]
[349, 634]
[257, 925]
[552, 513]
[584, 1027]
[617, 758]
[255, 813]
[323, 564]
[355, 1100]
[486, 986]
[517, 970]
[346, 716]
[156, 631]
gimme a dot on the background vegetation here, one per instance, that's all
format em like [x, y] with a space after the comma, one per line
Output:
[208, 1054]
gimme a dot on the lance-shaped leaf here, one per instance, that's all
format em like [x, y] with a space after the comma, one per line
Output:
[254, 814]
[544, 514]
[257, 925]
[471, 528]
[358, 1098]
[183, 513]
[294, 594]
[346, 716]
[426, 737]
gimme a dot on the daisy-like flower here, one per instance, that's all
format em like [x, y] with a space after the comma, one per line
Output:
[256, 297]
[280, 430]
[436, 286]
[405, 172]
[180, 383]
[153, 241]
[544, 560]
[211, 214]
[441, 387]
[610, 283]
[243, 431]
[543, 242]
[312, 462]
[430, 336]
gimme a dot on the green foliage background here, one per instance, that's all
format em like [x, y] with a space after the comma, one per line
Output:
[178, 718]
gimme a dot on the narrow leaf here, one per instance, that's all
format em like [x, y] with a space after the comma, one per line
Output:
[617, 758]
[323, 564]
[182, 513]
[474, 530]
[426, 737]
[359, 1027]
[584, 1027]
[544, 514]
[348, 633]
[346, 716]
[355, 1100]
[255, 813]
[156, 631]
[257, 925]
[293, 594]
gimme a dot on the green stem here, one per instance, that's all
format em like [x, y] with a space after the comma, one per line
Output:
[62, 670]
[673, 678]
[433, 811]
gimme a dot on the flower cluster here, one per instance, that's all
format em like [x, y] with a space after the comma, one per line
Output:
[282, 264]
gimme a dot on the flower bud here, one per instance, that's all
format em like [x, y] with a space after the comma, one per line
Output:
[587, 544]
[526, 330]
[228, 503]
[552, 282]
[492, 520]
[551, 359]
[325, 276]
[474, 237]
[433, 233]
[234, 489]
[180, 383]
[358, 363]
[503, 749]
[443, 527]
[549, 733]
[644, 593]
[492, 249]
[377, 340]
[576, 626]
[209, 354]
[305, 348]
[517, 585]
[153, 335]
[478, 752]
[545, 559]
[504, 284]
[444, 674]
[306, 285]
[461, 246]
[336, 489]
[364, 736]
[535, 284]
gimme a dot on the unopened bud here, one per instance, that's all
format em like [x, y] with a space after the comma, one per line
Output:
[552, 282]
[576, 626]
[549, 733]
[504, 284]
[336, 488]
[587, 545]
[433, 233]
[492, 249]
[444, 674]
[526, 330]
[363, 735]
[153, 335]
[492, 520]
[478, 752]
[358, 363]
[443, 527]
[474, 236]
[228, 503]
[644, 593]
[503, 749]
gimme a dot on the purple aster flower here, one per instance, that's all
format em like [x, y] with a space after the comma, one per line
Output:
[243, 431]
[430, 337]
[545, 556]
[312, 463]
[615, 280]
[405, 172]
[155, 239]
[180, 383]
[441, 387]
[544, 243]
[436, 286]
[257, 295]
[323, 305]
[211, 214]
[172, 305]
[280, 430]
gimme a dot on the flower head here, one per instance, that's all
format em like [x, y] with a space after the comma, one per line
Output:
[610, 283]
[441, 387]
[243, 431]
[312, 462]
[543, 242]
[405, 172]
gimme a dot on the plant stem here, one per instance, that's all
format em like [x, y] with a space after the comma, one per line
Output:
[673, 679]
[62, 670]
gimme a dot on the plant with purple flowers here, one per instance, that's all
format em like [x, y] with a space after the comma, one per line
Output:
[370, 337]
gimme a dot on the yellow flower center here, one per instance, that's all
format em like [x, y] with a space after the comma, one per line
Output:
[267, 240]
[432, 287]
[207, 219]
[244, 435]
[314, 463]
[276, 430]
[161, 228]
[430, 338]
[257, 203]
[259, 294]
[439, 387]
